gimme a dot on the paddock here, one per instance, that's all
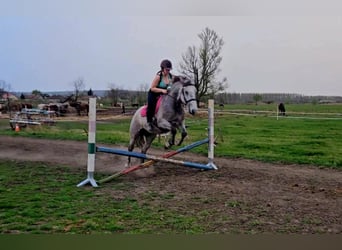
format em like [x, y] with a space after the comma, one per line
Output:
[242, 196]
[93, 149]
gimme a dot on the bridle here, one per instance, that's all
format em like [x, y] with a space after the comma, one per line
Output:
[187, 101]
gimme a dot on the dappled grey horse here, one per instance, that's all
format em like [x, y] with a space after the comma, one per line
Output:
[169, 117]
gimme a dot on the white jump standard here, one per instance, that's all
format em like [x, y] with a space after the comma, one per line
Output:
[91, 144]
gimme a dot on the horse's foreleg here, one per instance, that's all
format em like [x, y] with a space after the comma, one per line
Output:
[184, 133]
[171, 141]
[166, 126]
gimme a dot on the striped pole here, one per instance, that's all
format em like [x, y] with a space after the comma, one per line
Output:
[211, 134]
[152, 157]
[158, 158]
[151, 162]
[91, 144]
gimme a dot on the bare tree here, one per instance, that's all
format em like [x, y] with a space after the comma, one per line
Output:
[4, 87]
[142, 94]
[144, 87]
[113, 94]
[4, 94]
[79, 86]
[202, 64]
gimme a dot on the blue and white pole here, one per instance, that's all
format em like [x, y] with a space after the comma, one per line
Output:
[91, 144]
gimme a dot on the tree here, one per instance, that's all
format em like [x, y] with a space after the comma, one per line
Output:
[38, 93]
[4, 88]
[22, 96]
[4, 94]
[113, 94]
[78, 86]
[201, 64]
[257, 98]
[142, 93]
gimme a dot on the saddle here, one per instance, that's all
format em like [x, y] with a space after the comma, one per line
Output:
[143, 112]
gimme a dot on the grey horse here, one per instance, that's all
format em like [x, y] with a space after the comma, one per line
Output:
[169, 118]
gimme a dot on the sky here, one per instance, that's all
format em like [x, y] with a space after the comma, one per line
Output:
[269, 46]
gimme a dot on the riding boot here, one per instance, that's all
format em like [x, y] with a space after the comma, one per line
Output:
[149, 127]
[151, 107]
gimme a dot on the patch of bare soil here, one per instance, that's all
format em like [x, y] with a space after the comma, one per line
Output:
[241, 196]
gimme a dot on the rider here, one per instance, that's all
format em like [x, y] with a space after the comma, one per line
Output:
[160, 84]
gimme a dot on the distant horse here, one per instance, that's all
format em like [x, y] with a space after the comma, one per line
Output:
[169, 117]
[281, 108]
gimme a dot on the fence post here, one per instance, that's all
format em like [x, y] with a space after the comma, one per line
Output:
[211, 134]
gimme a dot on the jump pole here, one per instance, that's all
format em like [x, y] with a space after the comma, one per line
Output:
[151, 162]
[152, 157]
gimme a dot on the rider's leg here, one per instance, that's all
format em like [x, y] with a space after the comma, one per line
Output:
[151, 107]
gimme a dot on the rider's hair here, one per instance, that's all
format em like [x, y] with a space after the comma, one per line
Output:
[160, 73]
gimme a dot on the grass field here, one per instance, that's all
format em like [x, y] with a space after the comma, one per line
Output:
[312, 139]
[37, 198]
[53, 205]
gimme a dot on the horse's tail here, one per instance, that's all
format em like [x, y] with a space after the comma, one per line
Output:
[140, 140]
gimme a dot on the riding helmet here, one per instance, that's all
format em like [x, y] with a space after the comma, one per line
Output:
[166, 64]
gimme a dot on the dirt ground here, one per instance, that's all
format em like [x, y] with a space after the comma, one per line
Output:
[242, 195]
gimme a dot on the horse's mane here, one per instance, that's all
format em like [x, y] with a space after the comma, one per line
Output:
[183, 80]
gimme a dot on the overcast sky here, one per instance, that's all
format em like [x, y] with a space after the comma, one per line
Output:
[270, 46]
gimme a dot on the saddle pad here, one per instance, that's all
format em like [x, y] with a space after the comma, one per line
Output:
[143, 112]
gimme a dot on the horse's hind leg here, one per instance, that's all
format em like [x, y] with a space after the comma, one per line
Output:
[148, 141]
[131, 145]
[130, 149]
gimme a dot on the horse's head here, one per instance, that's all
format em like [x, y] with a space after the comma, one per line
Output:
[186, 93]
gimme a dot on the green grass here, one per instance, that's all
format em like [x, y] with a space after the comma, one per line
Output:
[307, 108]
[36, 198]
[317, 142]
[260, 137]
